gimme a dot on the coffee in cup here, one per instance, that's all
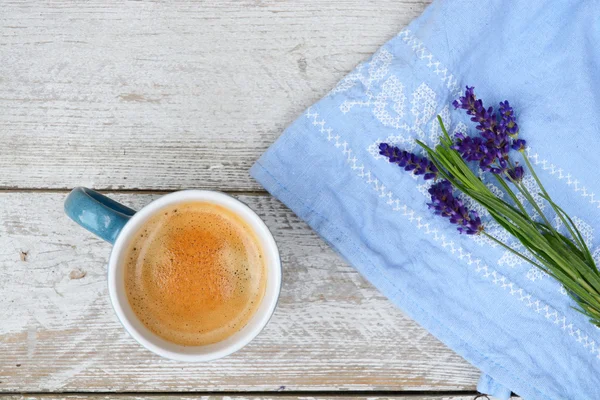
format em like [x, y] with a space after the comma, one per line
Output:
[195, 273]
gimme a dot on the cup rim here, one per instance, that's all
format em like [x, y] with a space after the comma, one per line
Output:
[271, 252]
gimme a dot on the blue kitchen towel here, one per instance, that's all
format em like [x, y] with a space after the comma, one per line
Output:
[508, 319]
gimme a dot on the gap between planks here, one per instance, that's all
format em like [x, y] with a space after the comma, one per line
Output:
[453, 395]
[131, 191]
[253, 393]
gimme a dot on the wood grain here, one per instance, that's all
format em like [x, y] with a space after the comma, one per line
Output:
[331, 331]
[169, 95]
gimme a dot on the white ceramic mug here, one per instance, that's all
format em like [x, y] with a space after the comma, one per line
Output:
[117, 224]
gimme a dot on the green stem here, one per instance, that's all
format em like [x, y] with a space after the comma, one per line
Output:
[444, 130]
[532, 170]
[511, 194]
[521, 188]
[513, 251]
[577, 236]
[558, 212]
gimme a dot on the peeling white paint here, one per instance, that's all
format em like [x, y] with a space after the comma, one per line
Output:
[31, 340]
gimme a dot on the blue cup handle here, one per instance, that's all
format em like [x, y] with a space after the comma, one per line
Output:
[97, 213]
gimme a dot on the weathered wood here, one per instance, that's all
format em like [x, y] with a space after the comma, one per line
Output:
[165, 96]
[157, 95]
[331, 331]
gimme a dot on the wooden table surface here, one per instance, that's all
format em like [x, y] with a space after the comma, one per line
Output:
[141, 98]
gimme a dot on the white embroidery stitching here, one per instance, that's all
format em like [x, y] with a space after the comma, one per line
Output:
[423, 54]
[482, 269]
[561, 175]
[424, 106]
[382, 61]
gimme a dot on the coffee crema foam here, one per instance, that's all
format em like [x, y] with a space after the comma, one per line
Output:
[195, 273]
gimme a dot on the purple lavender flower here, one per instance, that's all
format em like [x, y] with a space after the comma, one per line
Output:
[471, 149]
[491, 148]
[445, 204]
[409, 161]
[486, 153]
[500, 168]
[507, 119]
[467, 102]
[516, 174]
[442, 198]
[519, 144]
[486, 118]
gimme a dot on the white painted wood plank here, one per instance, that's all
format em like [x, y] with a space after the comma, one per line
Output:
[163, 95]
[331, 331]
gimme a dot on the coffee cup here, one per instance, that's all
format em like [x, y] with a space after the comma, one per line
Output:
[119, 224]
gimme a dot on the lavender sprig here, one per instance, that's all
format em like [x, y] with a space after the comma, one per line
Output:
[409, 161]
[446, 205]
[443, 201]
[474, 107]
